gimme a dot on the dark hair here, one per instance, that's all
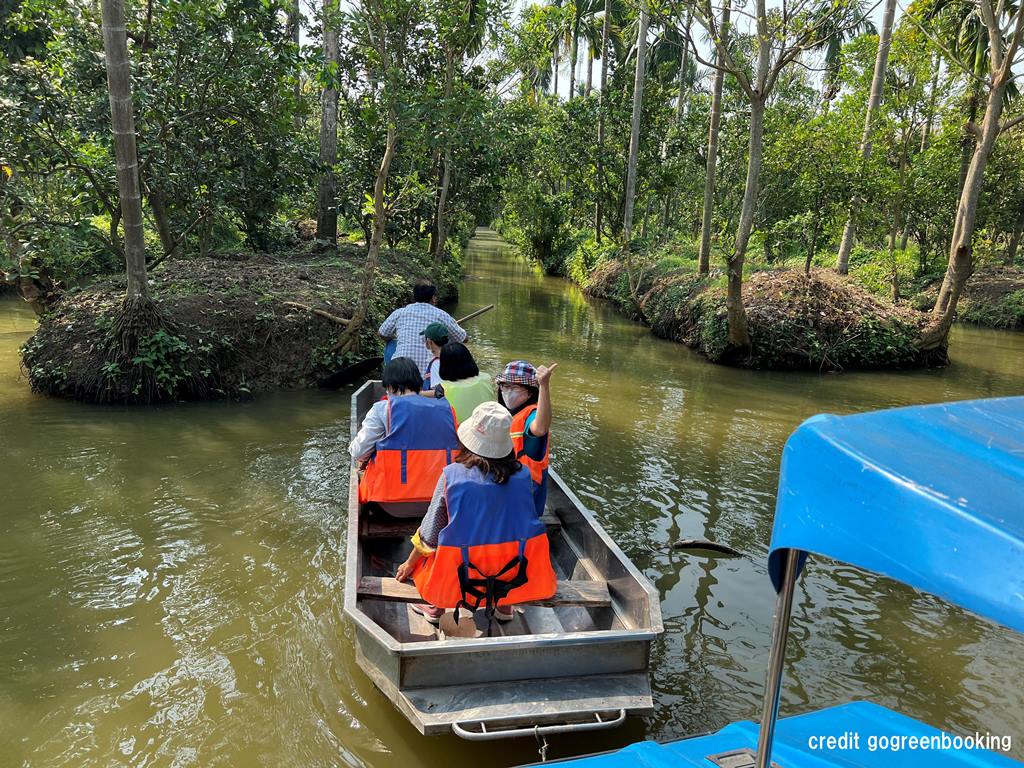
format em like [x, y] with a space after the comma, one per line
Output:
[424, 290]
[531, 400]
[402, 374]
[457, 362]
[500, 470]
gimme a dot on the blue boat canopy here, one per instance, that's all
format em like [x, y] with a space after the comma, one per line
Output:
[932, 496]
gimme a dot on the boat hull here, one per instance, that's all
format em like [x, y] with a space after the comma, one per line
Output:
[561, 665]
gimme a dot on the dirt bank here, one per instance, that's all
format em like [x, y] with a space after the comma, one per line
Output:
[230, 331]
[796, 322]
[993, 297]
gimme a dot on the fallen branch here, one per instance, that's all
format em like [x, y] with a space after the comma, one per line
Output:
[315, 311]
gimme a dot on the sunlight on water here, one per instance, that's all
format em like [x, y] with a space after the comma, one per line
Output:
[171, 578]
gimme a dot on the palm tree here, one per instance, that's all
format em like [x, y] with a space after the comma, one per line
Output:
[833, 42]
[583, 13]
[874, 102]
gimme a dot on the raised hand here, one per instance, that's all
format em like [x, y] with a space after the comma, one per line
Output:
[544, 374]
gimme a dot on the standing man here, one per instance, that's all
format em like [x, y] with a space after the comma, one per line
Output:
[406, 325]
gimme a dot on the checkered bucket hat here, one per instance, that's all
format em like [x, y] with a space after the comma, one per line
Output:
[518, 372]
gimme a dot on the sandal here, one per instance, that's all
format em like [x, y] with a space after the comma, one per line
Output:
[429, 612]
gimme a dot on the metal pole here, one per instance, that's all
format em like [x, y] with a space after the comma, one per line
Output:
[776, 660]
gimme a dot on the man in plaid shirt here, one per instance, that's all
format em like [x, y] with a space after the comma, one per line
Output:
[408, 323]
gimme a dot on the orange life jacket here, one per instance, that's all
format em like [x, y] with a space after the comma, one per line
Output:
[419, 442]
[518, 432]
[494, 550]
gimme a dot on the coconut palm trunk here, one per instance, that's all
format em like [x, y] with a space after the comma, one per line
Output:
[574, 54]
[590, 71]
[634, 153]
[115, 47]
[634, 132]
[327, 205]
[684, 70]
[601, 108]
[866, 142]
[704, 257]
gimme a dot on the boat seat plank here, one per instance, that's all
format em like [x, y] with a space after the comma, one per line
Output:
[592, 594]
[403, 529]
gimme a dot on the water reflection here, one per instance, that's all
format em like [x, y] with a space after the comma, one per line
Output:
[171, 578]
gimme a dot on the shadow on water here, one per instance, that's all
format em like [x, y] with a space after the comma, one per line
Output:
[171, 578]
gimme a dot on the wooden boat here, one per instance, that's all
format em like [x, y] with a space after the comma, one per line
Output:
[578, 661]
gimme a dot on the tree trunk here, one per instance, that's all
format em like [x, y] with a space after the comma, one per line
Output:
[634, 132]
[967, 141]
[739, 339]
[605, 32]
[294, 28]
[813, 246]
[554, 62]
[590, 71]
[874, 101]
[115, 46]
[380, 220]
[1011, 249]
[634, 153]
[684, 69]
[930, 116]
[574, 55]
[894, 275]
[441, 235]
[960, 257]
[162, 221]
[440, 232]
[704, 258]
[327, 205]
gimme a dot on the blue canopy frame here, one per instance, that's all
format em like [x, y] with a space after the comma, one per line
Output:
[931, 495]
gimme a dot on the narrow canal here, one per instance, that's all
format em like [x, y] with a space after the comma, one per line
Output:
[171, 578]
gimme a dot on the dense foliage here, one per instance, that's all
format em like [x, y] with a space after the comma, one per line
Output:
[412, 121]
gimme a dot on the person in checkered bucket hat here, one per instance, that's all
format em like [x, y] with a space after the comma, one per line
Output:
[525, 391]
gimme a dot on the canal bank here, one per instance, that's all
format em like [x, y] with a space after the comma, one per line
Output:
[171, 577]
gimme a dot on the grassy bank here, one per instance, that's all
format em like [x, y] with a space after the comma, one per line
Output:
[231, 330]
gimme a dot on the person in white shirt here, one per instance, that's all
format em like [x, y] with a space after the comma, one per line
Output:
[408, 323]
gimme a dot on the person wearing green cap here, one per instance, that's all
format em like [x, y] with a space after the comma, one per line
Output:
[434, 336]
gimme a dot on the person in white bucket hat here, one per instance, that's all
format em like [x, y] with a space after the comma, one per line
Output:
[481, 543]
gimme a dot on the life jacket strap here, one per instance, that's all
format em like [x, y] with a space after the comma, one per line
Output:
[489, 589]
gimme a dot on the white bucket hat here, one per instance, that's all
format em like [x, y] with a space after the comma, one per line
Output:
[486, 432]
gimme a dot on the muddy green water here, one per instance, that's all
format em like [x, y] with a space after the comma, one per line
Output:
[171, 578]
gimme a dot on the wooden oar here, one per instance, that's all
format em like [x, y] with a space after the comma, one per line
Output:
[471, 315]
[361, 368]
